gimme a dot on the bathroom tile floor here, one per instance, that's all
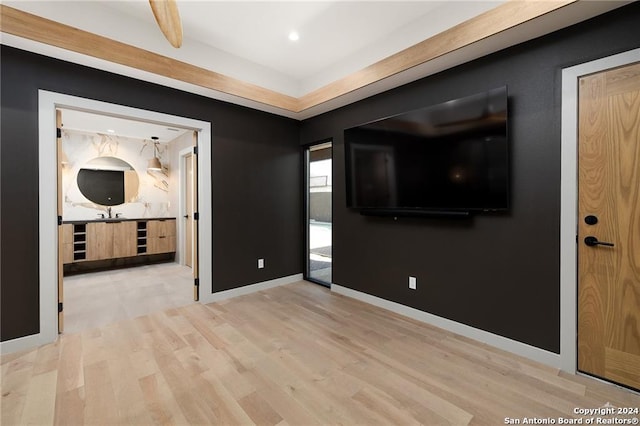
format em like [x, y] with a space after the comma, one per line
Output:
[98, 298]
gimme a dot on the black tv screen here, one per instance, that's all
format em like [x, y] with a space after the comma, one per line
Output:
[447, 157]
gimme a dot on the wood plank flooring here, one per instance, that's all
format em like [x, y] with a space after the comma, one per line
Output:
[291, 355]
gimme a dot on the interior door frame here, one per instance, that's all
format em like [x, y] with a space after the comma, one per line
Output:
[307, 209]
[569, 201]
[47, 204]
[181, 204]
[59, 207]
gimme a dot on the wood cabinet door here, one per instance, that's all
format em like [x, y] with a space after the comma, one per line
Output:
[153, 245]
[67, 243]
[154, 228]
[124, 239]
[170, 233]
[161, 236]
[108, 240]
[100, 240]
[162, 227]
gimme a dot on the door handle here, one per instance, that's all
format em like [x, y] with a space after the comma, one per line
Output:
[593, 241]
[186, 216]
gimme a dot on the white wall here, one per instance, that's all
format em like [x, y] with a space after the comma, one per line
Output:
[155, 192]
[175, 146]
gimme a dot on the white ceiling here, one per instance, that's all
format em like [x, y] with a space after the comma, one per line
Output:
[248, 40]
[96, 123]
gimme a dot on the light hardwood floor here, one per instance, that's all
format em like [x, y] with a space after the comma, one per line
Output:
[96, 299]
[291, 355]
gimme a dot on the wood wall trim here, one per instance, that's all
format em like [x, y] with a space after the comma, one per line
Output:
[494, 21]
[502, 18]
[32, 27]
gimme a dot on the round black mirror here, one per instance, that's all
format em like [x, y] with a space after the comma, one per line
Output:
[108, 181]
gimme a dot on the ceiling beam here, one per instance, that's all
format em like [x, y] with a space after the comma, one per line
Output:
[32, 27]
[502, 18]
[498, 20]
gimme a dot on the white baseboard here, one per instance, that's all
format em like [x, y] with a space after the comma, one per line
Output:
[23, 343]
[536, 354]
[248, 289]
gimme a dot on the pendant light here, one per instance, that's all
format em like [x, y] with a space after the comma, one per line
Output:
[154, 163]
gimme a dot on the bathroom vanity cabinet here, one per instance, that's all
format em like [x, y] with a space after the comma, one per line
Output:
[114, 239]
[161, 236]
[106, 240]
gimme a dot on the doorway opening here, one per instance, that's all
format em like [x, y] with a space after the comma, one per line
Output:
[49, 264]
[319, 181]
[121, 246]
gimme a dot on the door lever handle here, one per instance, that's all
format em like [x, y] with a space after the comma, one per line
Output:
[186, 216]
[593, 241]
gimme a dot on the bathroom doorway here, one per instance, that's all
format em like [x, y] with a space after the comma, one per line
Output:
[119, 244]
[49, 102]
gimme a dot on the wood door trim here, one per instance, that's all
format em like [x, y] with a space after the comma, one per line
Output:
[62, 231]
[187, 200]
[195, 236]
[506, 16]
[32, 27]
[502, 18]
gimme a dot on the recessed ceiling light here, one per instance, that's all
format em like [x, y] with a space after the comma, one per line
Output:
[111, 131]
[294, 36]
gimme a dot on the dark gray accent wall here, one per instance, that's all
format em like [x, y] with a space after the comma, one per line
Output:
[495, 272]
[256, 178]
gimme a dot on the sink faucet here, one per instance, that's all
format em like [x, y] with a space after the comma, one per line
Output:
[109, 212]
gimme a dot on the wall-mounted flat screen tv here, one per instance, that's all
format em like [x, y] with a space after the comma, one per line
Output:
[449, 157]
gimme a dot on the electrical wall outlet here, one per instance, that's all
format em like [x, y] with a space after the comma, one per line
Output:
[260, 263]
[413, 283]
